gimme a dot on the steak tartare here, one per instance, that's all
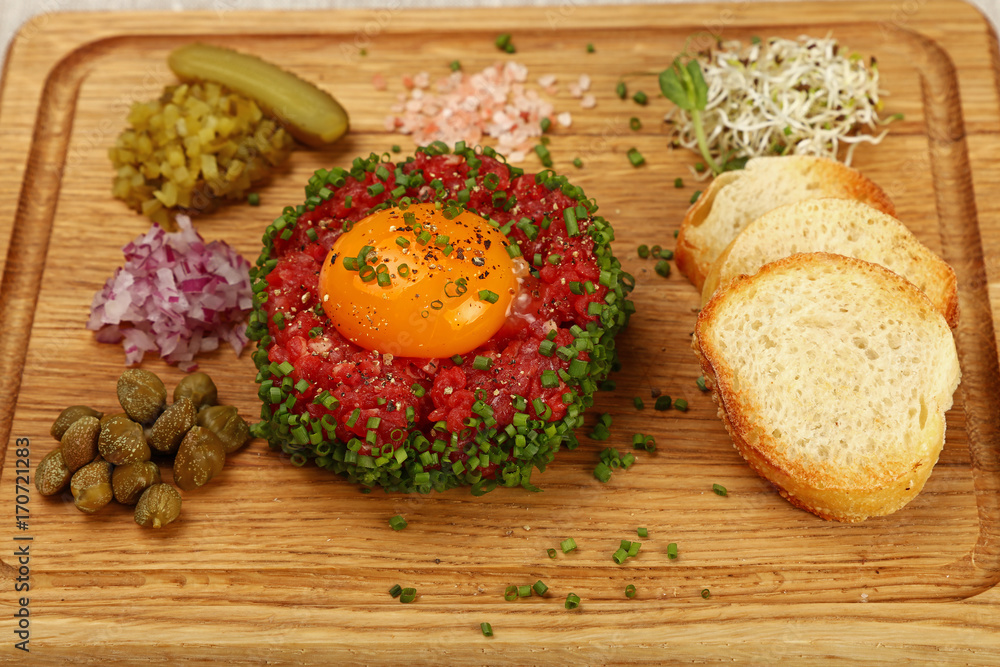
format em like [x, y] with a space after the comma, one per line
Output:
[487, 417]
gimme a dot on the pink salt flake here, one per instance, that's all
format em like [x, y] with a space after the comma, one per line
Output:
[379, 82]
[495, 102]
[565, 119]
[588, 102]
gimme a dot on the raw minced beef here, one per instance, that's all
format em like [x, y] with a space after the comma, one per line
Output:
[441, 423]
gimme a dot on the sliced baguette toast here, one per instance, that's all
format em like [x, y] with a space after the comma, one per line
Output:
[833, 376]
[841, 226]
[736, 198]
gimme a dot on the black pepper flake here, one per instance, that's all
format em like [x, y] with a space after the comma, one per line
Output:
[487, 243]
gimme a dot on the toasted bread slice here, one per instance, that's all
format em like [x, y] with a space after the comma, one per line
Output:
[841, 226]
[832, 376]
[737, 197]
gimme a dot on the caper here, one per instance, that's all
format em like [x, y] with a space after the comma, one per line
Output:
[159, 505]
[170, 428]
[199, 458]
[141, 394]
[122, 441]
[199, 388]
[225, 422]
[91, 486]
[130, 480]
[52, 475]
[70, 415]
[79, 443]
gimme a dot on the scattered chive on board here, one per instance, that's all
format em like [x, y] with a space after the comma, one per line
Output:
[397, 522]
[719, 490]
[487, 629]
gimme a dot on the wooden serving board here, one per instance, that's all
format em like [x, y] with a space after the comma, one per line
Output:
[272, 563]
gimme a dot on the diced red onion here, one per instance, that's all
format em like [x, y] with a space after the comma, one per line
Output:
[176, 296]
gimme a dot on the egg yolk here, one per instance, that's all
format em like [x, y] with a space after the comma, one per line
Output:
[415, 283]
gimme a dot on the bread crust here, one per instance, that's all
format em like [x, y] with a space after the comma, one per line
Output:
[940, 276]
[823, 492]
[834, 179]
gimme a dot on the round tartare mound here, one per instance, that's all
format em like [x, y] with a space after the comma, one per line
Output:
[487, 417]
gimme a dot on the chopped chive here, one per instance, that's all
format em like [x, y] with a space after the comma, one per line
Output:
[502, 40]
[642, 532]
[554, 259]
[457, 360]
[539, 587]
[375, 189]
[485, 627]
[663, 268]
[630, 591]
[681, 404]
[638, 403]
[524, 591]
[649, 443]
[577, 162]
[403, 270]
[620, 90]
[672, 550]
[488, 296]
[315, 332]
[408, 595]
[590, 48]
[302, 385]
[543, 155]
[620, 556]
[367, 273]
[635, 157]
[546, 123]
[402, 241]
[643, 251]
[666, 253]
[383, 279]
[655, 251]
[311, 233]
[510, 594]
[678, 182]
[633, 549]
[353, 419]
[602, 472]
[719, 490]
[699, 167]
[550, 380]
[569, 544]
[701, 383]
[551, 553]
[396, 148]
[397, 522]
[455, 66]
[395, 591]
[347, 201]
[418, 390]
[573, 600]
[351, 263]
[705, 593]
[634, 123]
[424, 237]
[373, 422]
[694, 198]
[514, 250]
[253, 199]
[441, 240]
[481, 363]
[640, 98]
[663, 403]
[546, 348]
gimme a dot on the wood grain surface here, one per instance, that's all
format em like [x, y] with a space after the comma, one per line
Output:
[277, 564]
